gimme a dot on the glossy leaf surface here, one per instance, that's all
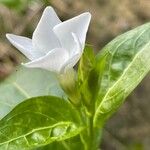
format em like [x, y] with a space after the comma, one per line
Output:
[37, 122]
[123, 63]
[73, 143]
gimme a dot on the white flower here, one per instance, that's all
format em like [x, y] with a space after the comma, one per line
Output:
[56, 46]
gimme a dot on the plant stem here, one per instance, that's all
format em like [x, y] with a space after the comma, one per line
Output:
[91, 136]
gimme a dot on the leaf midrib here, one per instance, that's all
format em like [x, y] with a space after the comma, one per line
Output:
[97, 110]
[18, 87]
[37, 129]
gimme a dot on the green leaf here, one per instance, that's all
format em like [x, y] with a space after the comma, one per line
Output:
[37, 122]
[87, 76]
[124, 62]
[25, 83]
[86, 63]
[73, 143]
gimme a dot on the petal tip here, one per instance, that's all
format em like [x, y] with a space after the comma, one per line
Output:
[87, 15]
[8, 35]
[48, 9]
[11, 37]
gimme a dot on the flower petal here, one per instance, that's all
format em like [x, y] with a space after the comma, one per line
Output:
[24, 45]
[75, 56]
[53, 61]
[43, 37]
[70, 63]
[78, 25]
[77, 44]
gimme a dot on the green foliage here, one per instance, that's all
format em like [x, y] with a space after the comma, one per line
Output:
[69, 84]
[124, 62]
[86, 63]
[21, 5]
[26, 83]
[88, 76]
[15, 4]
[39, 121]
[100, 87]
[73, 143]
[11, 3]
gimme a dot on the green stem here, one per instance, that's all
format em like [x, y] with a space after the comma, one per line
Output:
[90, 142]
[91, 136]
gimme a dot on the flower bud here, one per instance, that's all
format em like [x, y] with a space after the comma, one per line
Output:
[68, 82]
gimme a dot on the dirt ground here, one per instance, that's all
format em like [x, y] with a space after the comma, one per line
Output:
[129, 128]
